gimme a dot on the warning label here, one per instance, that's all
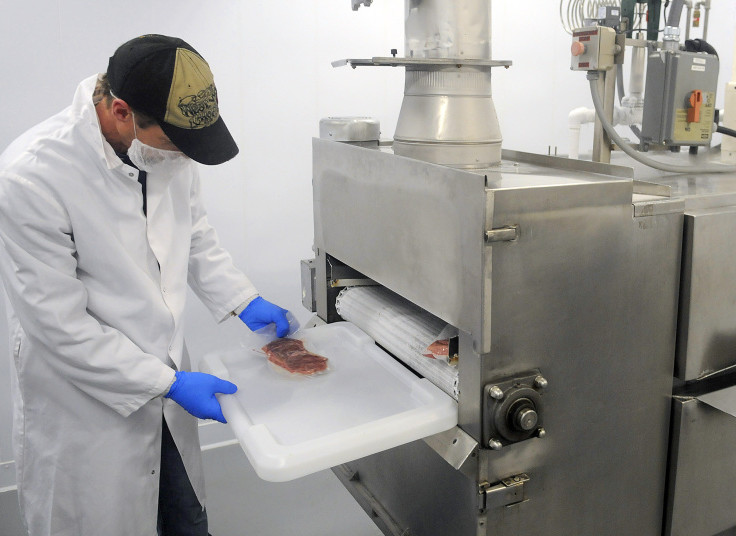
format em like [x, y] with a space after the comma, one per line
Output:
[696, 133]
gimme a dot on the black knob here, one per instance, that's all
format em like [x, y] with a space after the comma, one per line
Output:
[394, 52]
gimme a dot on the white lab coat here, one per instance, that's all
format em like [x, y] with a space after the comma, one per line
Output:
[96, 327]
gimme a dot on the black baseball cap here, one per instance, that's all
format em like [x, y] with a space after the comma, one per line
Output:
[164, 77]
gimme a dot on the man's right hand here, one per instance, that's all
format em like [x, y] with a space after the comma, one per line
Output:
[195, 392]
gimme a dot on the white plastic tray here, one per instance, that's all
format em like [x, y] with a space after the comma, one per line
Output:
[290, 426]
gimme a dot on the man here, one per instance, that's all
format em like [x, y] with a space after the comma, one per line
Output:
[101, 228]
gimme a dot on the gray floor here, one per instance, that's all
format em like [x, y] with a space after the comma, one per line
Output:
[10, 523]
[241, 504]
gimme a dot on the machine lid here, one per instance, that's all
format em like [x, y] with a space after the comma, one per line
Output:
[724, 400]
[365, 403]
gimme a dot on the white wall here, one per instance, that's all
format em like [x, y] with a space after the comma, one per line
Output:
[271, 61]
[534, 97]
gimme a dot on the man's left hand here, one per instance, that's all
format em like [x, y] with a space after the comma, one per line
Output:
[261, 313]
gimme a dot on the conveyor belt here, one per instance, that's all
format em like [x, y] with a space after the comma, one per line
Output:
[403, 329]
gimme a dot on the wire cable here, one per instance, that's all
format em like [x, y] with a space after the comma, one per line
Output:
[726, 131]
[593, 77]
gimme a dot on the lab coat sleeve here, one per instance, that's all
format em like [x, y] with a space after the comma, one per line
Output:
[38, 268]
[212, 274]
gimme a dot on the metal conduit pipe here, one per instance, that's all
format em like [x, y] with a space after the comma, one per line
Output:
[673, 18]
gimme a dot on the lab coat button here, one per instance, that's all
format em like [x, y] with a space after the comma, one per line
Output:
[131, 174]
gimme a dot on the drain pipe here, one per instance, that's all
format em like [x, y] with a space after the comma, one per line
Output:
[581, 116]
[575, 120]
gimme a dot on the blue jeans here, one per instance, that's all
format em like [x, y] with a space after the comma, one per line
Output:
[179, 510]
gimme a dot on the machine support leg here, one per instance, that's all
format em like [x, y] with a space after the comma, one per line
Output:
[601, 141]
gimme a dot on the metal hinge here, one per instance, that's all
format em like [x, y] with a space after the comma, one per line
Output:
[503, 234]
[506, 493]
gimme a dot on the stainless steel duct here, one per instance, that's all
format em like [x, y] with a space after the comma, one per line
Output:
[447, 116]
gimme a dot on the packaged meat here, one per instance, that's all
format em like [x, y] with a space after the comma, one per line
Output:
[290, 355]
[438, 349]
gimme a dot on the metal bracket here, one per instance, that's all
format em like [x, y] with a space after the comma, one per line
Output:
[508, 492]
[503, 234]
[618, 57]
[457, 448]
[419, 63]
[309, 282]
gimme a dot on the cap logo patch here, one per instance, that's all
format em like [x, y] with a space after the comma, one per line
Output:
[201, 109]
[192, 102]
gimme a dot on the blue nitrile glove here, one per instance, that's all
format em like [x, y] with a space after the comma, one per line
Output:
[261, 313]
[195, 392]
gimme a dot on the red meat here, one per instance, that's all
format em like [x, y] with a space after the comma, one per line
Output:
[291, 355]
[438, 348]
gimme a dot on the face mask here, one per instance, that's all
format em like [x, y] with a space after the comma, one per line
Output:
[150, 159]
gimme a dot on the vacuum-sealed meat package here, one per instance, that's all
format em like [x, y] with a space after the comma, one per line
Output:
[290, 355]
[439, 349]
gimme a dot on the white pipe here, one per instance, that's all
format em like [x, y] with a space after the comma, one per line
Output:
[706, 4]
[574, 143]
[575, 121]
[580, 116]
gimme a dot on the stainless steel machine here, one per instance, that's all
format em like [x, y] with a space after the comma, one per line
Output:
[595, 316]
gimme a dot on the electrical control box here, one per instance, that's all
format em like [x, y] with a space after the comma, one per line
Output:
[680, 98]
[610, 16]
[593, 48]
